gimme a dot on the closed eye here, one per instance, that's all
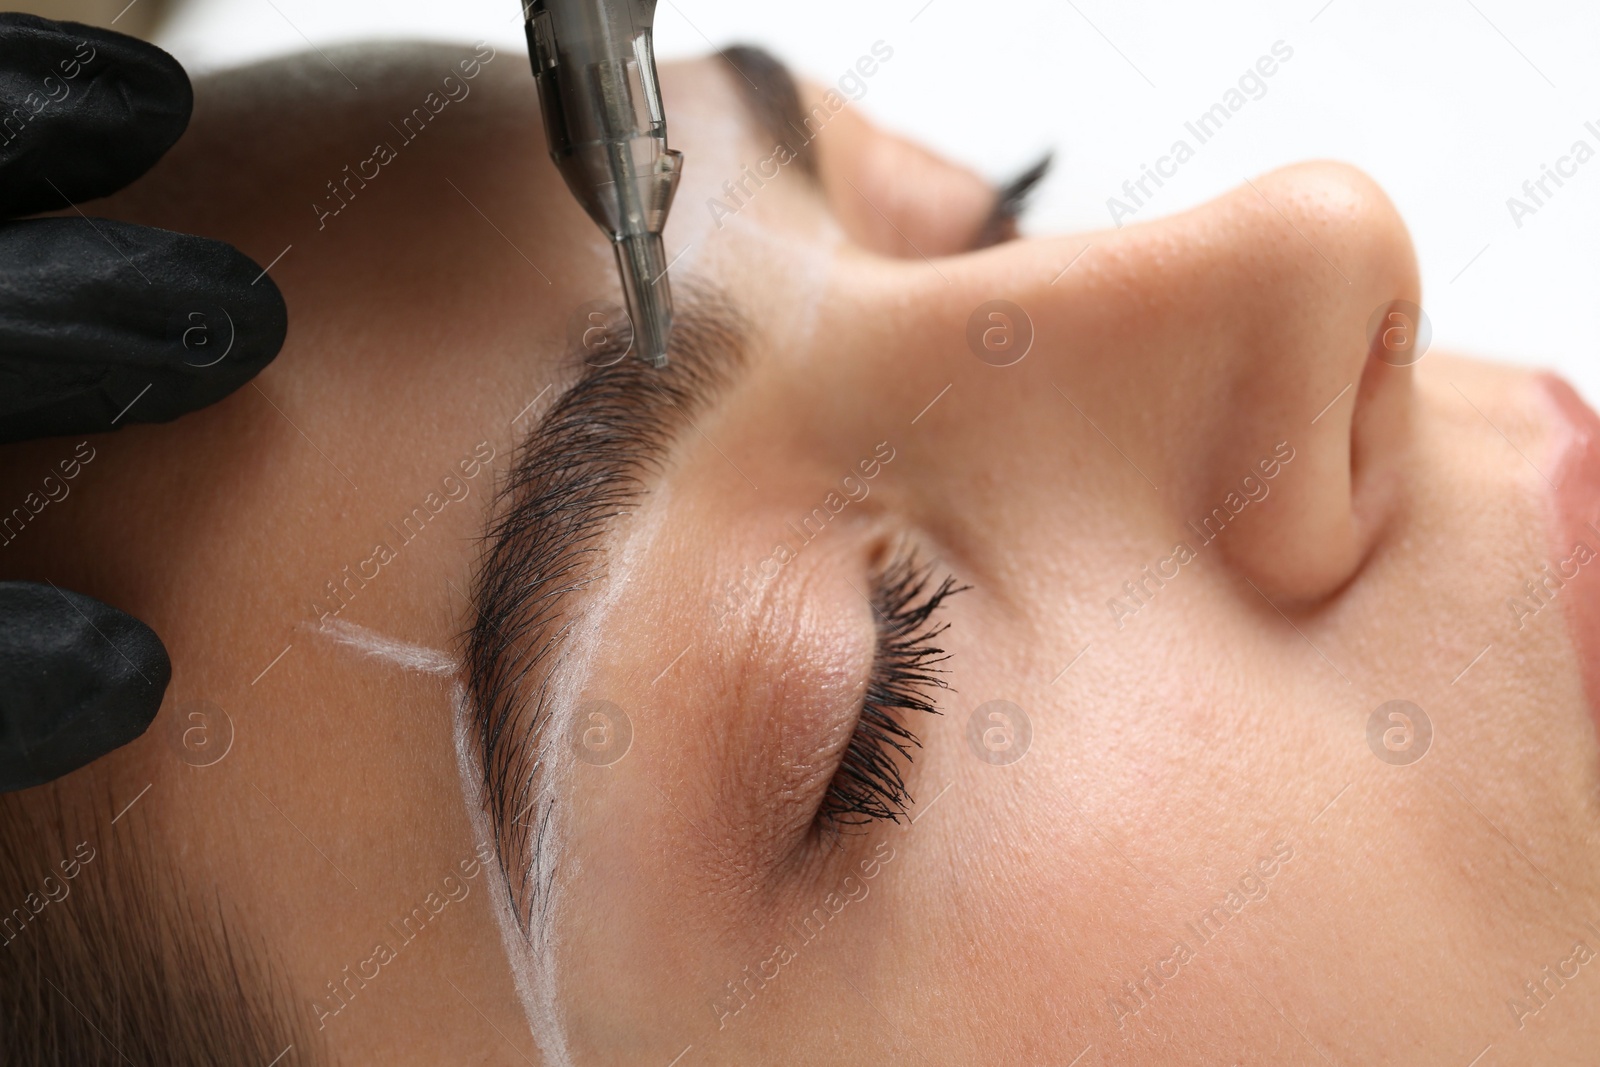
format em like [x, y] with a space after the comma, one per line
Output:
[870, 783]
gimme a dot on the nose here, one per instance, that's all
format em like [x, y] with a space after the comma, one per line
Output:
[1217, 375]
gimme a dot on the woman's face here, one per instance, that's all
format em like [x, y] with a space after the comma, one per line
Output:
[1263, 721]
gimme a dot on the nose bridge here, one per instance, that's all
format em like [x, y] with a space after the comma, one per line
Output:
[1171, 359]
[1250, 310]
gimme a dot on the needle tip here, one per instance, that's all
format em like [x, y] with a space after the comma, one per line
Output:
[642, 262]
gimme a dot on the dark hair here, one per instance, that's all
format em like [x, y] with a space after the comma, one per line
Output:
[107, 957]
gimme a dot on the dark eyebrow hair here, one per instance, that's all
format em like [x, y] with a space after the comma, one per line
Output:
[583, 464]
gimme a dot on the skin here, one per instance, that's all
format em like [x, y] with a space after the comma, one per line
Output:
[1226, 718]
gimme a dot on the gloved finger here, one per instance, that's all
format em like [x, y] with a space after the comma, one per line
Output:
[78, 679]
[83, 111]
[105, 323]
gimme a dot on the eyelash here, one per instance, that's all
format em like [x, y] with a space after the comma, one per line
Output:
[1010, 201]
[869, 786]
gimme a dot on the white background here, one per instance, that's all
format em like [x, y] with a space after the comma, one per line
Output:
[1450, 104]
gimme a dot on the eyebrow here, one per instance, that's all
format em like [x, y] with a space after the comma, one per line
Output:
[585, 463]
[771, 96]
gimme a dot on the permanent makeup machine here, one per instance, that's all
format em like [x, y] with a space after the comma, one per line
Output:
[595, 66]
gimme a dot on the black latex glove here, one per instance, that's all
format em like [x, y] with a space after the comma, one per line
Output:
[102, 324]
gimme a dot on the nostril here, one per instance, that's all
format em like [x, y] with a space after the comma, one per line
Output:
[1379, 435]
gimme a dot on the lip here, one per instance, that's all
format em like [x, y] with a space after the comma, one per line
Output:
[1577, 496]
